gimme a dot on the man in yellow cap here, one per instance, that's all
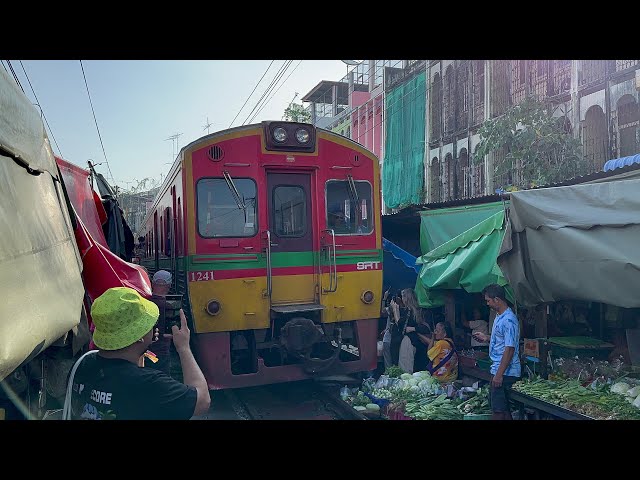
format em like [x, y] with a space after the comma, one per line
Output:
[112, 385]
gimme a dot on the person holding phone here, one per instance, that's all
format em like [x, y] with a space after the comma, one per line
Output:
[161, 346]
[111, 385]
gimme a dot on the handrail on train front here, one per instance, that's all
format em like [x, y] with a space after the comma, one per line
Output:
[269, 272]
[333, 274]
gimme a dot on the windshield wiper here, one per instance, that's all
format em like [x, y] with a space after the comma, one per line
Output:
[353, 193]
[234, 191]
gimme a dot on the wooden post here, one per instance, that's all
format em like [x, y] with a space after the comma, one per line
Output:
[541, 322]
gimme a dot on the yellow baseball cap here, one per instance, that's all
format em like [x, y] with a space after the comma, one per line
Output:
[121, 317]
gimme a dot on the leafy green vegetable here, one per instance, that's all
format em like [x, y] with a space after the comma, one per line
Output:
[393, 371]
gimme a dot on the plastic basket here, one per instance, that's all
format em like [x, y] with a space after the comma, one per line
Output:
[474, 416]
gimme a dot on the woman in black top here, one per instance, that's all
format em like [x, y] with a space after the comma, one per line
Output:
[415, 324]
[398, 315]
[409, 322]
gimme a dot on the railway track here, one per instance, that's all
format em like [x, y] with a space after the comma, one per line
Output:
[304, 400]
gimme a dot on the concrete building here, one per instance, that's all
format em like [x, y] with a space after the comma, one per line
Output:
[598, 100]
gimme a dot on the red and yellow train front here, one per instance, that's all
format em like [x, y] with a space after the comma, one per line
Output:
[284, 265]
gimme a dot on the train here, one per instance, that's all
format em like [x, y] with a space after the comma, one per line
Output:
[272, 232]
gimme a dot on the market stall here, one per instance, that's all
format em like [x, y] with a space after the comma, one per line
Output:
[569, 254]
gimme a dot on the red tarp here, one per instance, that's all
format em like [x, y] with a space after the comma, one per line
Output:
[102, 269]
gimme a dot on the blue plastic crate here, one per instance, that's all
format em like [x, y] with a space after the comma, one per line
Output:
[381, 402]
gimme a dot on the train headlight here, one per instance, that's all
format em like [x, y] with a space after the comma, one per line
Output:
[302, 135]
[213, 307]
[367, 297]
[280, 135]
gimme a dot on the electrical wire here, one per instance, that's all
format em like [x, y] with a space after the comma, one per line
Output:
[96, 121]
[274, 93]
[41, 109]
[268, 90]
[15, 77]
[254, 89]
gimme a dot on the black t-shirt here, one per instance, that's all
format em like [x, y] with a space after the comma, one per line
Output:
[113, 388]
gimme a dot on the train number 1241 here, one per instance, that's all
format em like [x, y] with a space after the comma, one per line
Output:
[201, 276]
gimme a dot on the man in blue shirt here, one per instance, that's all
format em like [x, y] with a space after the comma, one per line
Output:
[503, 350]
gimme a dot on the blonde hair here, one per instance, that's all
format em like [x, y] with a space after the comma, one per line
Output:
[411, 301]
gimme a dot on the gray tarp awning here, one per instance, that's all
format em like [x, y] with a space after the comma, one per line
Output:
[40, 266]
[577, 242]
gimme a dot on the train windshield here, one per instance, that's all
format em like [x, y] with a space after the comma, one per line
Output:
[347, 213]
[220, 212]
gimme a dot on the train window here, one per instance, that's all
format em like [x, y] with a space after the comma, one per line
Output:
[218, 212]
[348, 215]
[289, 211]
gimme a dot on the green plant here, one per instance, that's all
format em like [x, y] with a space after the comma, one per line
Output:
[297, 113]
[536, 148]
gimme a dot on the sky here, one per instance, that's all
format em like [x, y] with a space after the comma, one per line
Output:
[139, 104]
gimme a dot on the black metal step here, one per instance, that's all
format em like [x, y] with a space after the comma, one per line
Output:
[301, 307]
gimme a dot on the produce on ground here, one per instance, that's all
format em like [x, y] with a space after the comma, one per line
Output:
[434, 408]
[477, 405]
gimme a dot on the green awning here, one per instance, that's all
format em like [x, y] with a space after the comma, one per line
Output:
[440, 225]
[467, 261]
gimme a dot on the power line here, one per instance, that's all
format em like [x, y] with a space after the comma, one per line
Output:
[254, 89]
[275, 79]
[15, 77]
[266, 91]
[96, 121]
[274, 93]
[41, 109]
[267, 100]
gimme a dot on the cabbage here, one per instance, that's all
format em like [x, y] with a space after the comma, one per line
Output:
[417, 374]
[633, 392]
[415, 388]
[405, 376]
[620, 387]
[427, 382]
[413, 382]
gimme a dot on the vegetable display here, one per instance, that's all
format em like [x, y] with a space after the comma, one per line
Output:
[477, 405]
[434, 408]
[599, 403]
[393, 371]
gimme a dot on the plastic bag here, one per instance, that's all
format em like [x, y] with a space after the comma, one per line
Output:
[383, 382]
[398, 384]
